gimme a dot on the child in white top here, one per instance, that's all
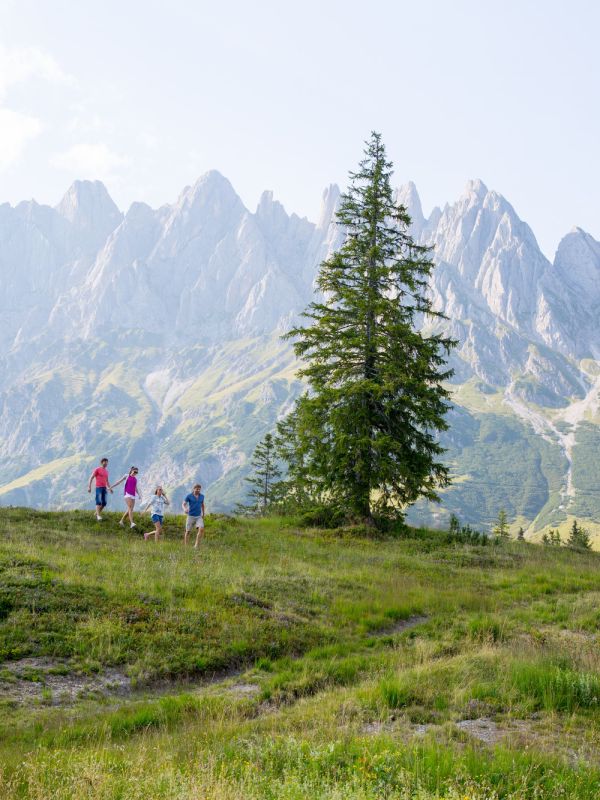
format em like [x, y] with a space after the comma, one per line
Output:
[158, 502]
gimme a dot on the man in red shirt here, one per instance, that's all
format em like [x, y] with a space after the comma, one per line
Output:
[100, 474]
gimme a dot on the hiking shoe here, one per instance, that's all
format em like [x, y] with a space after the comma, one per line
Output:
[133, 525]
[121, 523]
[98, 517]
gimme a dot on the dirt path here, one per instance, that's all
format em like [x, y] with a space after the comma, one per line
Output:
[53, 682]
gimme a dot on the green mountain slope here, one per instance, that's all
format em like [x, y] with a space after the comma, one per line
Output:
[200, 417]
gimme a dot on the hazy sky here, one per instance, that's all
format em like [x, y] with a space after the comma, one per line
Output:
[149, 95]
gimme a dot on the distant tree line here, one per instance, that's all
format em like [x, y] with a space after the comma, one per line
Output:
[578, 539]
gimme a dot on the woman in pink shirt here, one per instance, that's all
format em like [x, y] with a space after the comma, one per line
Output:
[130, 491]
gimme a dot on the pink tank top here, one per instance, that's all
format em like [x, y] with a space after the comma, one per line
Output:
[130, 485]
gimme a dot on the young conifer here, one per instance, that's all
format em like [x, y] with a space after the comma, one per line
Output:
[579, 538]
[368, 426]
[501, 529]
[296, 490]
[264, 483]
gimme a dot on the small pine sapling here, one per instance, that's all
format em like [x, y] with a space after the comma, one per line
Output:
[264, 479]
[579, 538]
[454, 526]
[501, 529]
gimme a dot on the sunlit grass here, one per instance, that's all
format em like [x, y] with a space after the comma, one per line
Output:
[312, 621]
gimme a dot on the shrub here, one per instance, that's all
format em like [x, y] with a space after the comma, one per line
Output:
[323, 517]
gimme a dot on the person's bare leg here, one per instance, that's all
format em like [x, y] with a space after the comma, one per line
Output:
[199, 536]
[156, 532]
[128, 511]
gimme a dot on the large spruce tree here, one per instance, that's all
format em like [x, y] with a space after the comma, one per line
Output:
[366, 432]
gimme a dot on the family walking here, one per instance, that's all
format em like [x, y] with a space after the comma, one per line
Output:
[193, 503]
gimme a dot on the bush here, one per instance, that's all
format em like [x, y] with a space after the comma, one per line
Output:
[324, 517]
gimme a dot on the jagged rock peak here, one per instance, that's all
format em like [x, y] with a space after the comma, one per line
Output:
[329, 202]
[476, 197]
[476, 187]
[210, 184]
[92, 214]
[138, 209]
[578, 250]
[408, 196]
[267, 204]
[271, 213]
[88, 202]
[211, 195]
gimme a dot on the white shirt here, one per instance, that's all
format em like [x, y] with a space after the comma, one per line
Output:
[158, 504]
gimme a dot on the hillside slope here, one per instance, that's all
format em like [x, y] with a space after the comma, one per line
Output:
[284, 662]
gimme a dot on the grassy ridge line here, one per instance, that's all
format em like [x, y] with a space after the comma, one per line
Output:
[511, 636]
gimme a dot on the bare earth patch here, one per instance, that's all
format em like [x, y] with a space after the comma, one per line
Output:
[51, 681]
[484, 729]
[243, 689]
[401, 625]
[489, 732]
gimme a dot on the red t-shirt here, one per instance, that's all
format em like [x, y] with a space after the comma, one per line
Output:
[101, 476]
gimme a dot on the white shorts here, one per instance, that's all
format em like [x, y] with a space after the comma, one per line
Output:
[130, 496]
[192, 522]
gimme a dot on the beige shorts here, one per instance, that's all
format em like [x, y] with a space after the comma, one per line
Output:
[194, 522]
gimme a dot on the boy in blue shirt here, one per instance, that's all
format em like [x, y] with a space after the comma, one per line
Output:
[193, 505]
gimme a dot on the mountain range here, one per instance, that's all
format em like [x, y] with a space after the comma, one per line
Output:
[154, 337]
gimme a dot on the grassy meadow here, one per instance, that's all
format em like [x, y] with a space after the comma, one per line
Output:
[284, 662]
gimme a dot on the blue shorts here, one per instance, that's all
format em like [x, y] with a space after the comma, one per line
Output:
[101, 496]
[157, 518]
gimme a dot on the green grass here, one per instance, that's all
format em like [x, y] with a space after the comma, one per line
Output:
[272, 663]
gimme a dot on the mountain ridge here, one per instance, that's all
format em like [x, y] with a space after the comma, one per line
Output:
[154, 334]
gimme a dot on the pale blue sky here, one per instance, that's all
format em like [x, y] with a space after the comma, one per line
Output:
[148, 95]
